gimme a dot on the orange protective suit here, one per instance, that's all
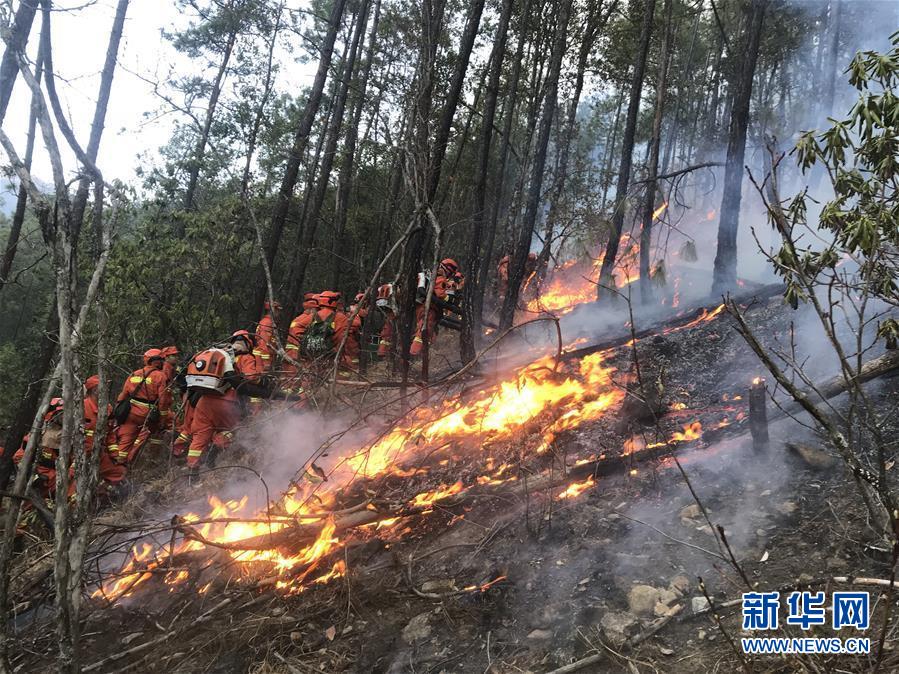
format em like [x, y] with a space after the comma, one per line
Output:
[146, 388]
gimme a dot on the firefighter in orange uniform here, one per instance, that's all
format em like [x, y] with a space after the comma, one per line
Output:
[319, 333]
[447, 286]
[292, 347]
[111, 473]
[145, 389]
[502, 276]
[51, 437]
[251, 366]
[214, 383]
[353, 346]
[502, 273]
[386, 303]
[265, 334]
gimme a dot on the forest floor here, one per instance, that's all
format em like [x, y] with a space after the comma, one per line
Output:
[579, 576]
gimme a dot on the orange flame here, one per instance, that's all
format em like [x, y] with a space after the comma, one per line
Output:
[577, 488]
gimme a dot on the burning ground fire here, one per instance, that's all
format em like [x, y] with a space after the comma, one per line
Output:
[544, 396]
[573, 283]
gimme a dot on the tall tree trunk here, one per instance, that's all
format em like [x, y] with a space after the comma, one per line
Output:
[473, 302]
[510, 105]
[654, 143]
[725, 270]
[318, 198]
[627, 151]
[18, 218]
[347, 165]
[431, 19]
[196, 161]
[523, 244]
[594, 24]
[263, 101]
[434, 164]
[610, 157]
[98, 124]
[684, 93]
[18, 39]
[833, 56]
[298, 148]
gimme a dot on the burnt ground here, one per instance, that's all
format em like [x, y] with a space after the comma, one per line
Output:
[579, 576]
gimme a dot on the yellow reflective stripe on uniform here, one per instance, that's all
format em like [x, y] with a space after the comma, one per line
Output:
[137, 380]
[292, 347]
[194, 452]
[89, 433]
[141, 403]
[255, 400]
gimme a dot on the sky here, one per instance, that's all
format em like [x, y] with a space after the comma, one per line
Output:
[80, 39]
[138, 121]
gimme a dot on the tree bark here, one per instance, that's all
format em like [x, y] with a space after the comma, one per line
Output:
[347, 165]
[196, 162]
[510, 104]
[18, 218]
[301, 138]
[473, 302]
[523, 244]
[313, 215]
[653, 168]
[263, 101]
[627, 151]
[18, 39]
[594, 24]
[99, 121]
[725, 270]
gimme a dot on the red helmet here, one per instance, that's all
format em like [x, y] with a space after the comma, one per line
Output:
[152, 354]
[54, 408]
[328, 299]
[360, 297]
[277, 305]
[310, 301]
[450, 266]
[385, 291]
[246, 336]
[170, 351]
[92, 382]
[532, 257]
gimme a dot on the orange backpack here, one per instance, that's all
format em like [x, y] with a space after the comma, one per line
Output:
[207, 370]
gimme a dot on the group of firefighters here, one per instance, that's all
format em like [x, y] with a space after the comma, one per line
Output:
[220, 385]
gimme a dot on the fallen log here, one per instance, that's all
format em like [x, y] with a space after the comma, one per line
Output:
[885, 364]
[676, 323]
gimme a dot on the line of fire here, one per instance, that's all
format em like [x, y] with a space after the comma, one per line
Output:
[482, 337]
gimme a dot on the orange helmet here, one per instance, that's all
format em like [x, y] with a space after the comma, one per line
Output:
[532, 257]
[54, 408]
[328, 299]
[277, 305]
[170, 351]
[246, 336]
[385, 291]
[450, 266]
[92, 382]
[152, 354]
[310, 301]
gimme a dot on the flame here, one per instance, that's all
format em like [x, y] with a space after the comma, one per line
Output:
[485, 586]
[703, 317]
[557, 396]
[692, 431]
[428, 498]
[576, 489]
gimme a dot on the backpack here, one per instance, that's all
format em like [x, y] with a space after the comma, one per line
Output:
[318, 340]
[207, 370]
